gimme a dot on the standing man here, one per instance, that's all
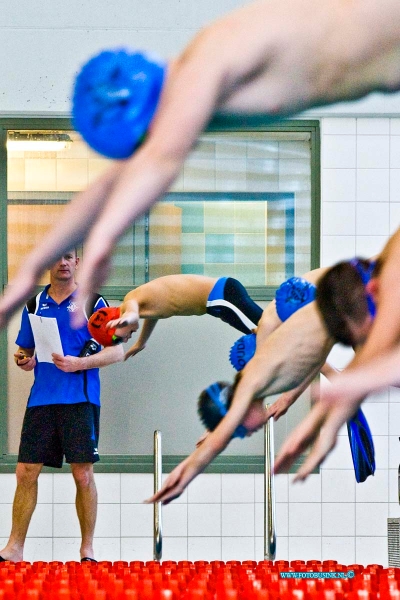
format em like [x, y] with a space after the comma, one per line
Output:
[62, 415]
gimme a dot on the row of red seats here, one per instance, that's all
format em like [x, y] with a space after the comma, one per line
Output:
[199, 580]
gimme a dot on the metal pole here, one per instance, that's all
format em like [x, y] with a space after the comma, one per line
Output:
[269, 492]
[157, 545]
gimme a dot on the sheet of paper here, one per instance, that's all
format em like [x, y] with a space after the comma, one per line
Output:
[47, 337]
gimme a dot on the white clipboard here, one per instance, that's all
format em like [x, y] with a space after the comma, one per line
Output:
[47, 337]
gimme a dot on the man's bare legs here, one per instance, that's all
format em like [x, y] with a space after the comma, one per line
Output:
[23, 506]
[86, 505]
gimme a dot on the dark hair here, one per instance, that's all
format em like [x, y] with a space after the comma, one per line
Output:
[341, 299]
[208, 411]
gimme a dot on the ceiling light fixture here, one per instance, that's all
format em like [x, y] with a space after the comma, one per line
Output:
[37, 141]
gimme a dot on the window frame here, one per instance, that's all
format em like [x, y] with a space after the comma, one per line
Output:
[221, 123]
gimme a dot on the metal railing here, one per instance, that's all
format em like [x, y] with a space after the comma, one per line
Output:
[157, 540]
[269, 492]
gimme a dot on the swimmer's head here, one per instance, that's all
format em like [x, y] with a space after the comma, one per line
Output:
[97, 326]
[346, 297]
[214, 403]
[114, 100]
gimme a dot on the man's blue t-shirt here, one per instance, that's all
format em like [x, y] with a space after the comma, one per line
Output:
[51, 385]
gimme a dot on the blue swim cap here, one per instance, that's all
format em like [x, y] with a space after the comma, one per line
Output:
[114, 99]
[219, 396]
[362, 446]
[366, 275]
[292, 295]
[242, 351]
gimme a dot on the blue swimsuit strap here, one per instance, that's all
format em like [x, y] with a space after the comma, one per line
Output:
[214, 391]
[366, 274]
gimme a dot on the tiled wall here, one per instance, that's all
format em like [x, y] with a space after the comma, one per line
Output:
[329, 516]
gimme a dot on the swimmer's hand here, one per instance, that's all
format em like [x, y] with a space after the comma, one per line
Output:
[202, 438]
[125, 325]
[135, 349]
[328, 413]
[281, 406]
[183, 474]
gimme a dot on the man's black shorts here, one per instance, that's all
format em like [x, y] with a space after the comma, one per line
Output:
[51, 432]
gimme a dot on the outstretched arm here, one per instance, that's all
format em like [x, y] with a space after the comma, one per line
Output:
[280, 362]
[140, 344]
[239, 65]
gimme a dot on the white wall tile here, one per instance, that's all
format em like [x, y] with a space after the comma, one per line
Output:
[205, 488]
[338, 185]
[394, 126]
[137, 548]
[336, 248]
[394, 510]
[371, 518]
[238, 519]
[382, 455]
[45, 488]
[369, 245]
[340, 548]
[393, 482]
[375, 488]
[39, 548]
[42, 521]
[8, 484]
[338, 519]
[336, 126]
[175, 548]
[338, 486]
[304, 548]
[395, 152]
[304, 519]
[373, 185]
[5, 521]
[136, 520]
[394, 394]
[64, 488]
[338, 152]
[394, 416]
[372, 218]
[372, 551]
[175, 520]
[204, 520]
[65, 549]
[339, 218]
[377, 415]
[66, 522]
[394, 451]
[108, 522]
[394, 176]
[340, 457]
[373, 151]
[200, 548]
[237, 548]
[136, 487]
[108, 487]
[373, 126]
[107, 548]
[305, 491]
[237, 488]
[394, 217]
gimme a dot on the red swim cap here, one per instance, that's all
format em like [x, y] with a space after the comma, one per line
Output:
[97, 326]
